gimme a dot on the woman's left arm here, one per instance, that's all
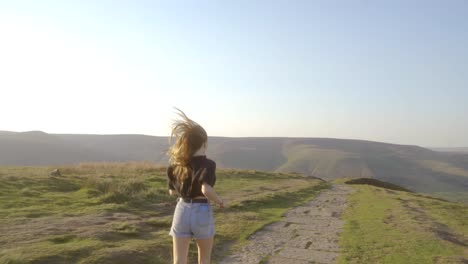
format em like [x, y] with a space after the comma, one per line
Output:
[209, 193]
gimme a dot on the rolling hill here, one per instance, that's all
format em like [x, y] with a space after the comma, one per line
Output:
[455, 150]
[443, 174]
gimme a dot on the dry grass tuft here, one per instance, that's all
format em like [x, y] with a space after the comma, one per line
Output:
[112, 167]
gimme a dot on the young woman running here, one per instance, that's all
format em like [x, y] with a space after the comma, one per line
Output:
[191, 177]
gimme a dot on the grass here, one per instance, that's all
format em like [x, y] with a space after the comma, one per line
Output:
[384, 226]
[254, 212]
[121, 212]
[461, 197]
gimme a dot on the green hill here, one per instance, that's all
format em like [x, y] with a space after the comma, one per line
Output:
[443, 174]
[389, 226]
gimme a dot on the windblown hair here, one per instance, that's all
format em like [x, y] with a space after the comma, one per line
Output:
[189, 137]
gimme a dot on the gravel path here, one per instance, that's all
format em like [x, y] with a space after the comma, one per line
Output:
[307, 234]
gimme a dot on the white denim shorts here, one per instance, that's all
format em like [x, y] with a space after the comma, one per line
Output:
[193, 220]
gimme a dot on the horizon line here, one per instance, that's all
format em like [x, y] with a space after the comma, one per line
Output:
[240, 137]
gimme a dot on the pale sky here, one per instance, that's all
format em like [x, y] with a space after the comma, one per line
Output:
[391, 71]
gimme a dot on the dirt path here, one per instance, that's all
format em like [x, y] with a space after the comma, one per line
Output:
[307, 234]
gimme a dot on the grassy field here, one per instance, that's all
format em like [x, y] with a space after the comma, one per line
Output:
[121, 212]
[386, 226]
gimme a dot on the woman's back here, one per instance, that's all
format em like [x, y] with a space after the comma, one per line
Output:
[202, 170]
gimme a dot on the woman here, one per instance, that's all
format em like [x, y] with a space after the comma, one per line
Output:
[191, 177]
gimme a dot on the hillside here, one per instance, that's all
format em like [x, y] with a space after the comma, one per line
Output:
[121, 213]
[416, 168]
[454, 150]
[38, 148]
[388, 226]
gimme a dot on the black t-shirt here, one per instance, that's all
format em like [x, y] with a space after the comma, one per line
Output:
[203, 170]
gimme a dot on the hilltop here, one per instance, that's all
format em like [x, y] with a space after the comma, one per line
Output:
[419, 169]
[121, 213]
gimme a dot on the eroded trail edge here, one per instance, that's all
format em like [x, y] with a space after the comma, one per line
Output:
[307, 234]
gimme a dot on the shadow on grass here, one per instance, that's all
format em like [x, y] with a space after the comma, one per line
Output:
[377, 183]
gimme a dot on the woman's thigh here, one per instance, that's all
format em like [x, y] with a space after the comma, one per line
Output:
[180, 249]
[204, 250]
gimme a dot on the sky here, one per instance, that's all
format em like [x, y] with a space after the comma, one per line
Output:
[391, 71]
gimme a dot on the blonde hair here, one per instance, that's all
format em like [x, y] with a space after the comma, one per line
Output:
[189, 137]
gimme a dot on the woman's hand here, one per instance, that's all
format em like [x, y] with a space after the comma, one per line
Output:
[209, 193]
[221, 203]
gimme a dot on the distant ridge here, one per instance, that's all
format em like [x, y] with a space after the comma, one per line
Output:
[3, 132]
[413, 167]
[456, 150]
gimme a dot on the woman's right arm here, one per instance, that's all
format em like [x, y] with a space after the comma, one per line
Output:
[210, 193]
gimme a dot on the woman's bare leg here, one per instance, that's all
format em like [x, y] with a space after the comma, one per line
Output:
[204, 250]
[180, 248]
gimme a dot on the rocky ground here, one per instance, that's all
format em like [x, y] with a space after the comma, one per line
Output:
[307, 234]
